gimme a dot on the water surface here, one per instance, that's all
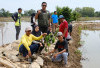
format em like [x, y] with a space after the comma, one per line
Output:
[9, 32]
[90, 49]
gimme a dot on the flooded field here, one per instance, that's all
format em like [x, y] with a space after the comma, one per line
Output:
[93, 21]
[9, 32]
[90, 49]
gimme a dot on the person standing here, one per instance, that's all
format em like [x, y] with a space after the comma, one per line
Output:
[70, 28]
[32, 20]
[43, 17]
[63, 26]
[17, 18]
[54, 21]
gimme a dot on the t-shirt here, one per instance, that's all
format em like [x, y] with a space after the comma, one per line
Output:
[55, 18]
[61, 46]
[62, 27]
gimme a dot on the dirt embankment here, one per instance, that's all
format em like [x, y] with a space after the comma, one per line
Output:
[8, 52]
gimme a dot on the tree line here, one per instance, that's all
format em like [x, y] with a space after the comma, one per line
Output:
[68, 13]
[4, 13]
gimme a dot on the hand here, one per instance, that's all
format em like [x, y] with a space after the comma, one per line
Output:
[55, 55]
[46, 54]
[44, 34]
[29, 53]
[15, 21]
[41, 45]
[39, 12]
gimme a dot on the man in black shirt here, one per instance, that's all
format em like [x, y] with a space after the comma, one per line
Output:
[62, 47]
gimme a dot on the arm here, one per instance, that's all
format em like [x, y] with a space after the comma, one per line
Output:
[49, 22]
[61, 51]
[14, 16]
[66, 28]
[64, 32]
[36, 16]
[25, 43]
[36, 38]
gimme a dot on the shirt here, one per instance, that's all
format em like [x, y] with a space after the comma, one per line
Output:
[27, 40]
[55, 18]
[43, 18]
[62, 45]
[62, 27]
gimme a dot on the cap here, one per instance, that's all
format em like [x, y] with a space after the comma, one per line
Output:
[61, 16]
[28, 28]
[59, 33]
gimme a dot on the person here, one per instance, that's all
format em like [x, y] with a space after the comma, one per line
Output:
[36, 32]
[62, 47]
[17, 18]
[54, 21]
[32, 20]
[43, 17]
[70, 28]
[26, 47]
[63, 26]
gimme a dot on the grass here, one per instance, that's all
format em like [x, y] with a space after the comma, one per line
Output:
[88, 18]
[78, 52]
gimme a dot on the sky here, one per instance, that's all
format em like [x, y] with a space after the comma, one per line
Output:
[13, 5]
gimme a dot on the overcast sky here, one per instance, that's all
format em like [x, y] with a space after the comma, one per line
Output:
[13, 5]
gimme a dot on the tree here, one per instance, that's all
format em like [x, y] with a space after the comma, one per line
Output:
[65, 11]
[29, 12]
[76, 15]
[4, 13]
[97, 14]
[86, 11]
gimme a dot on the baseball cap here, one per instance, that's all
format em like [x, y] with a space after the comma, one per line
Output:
[61, 16]
[59, 34]
[28, 28]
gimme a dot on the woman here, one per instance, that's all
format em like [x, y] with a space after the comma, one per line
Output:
[36, 32]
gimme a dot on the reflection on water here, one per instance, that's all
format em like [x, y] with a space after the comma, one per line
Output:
[90, 49]
[9, 32]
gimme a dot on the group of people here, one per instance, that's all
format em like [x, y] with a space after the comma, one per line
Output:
[31, 41]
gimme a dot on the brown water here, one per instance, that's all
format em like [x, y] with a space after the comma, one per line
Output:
[90, 49]
[9, 32]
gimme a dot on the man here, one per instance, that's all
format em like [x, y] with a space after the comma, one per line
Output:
[54, 21]
[62, 47]
[32, 20]
[26, 47]
[63, 26]
[43, 17]
[17, 18]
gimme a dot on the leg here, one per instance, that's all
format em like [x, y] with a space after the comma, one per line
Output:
[23, 50]
[45, 29]
[34, 48]
[58, 58]
[64, 55]
[17, 31]
[56, 26]
[41, 48]
[53, 27]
